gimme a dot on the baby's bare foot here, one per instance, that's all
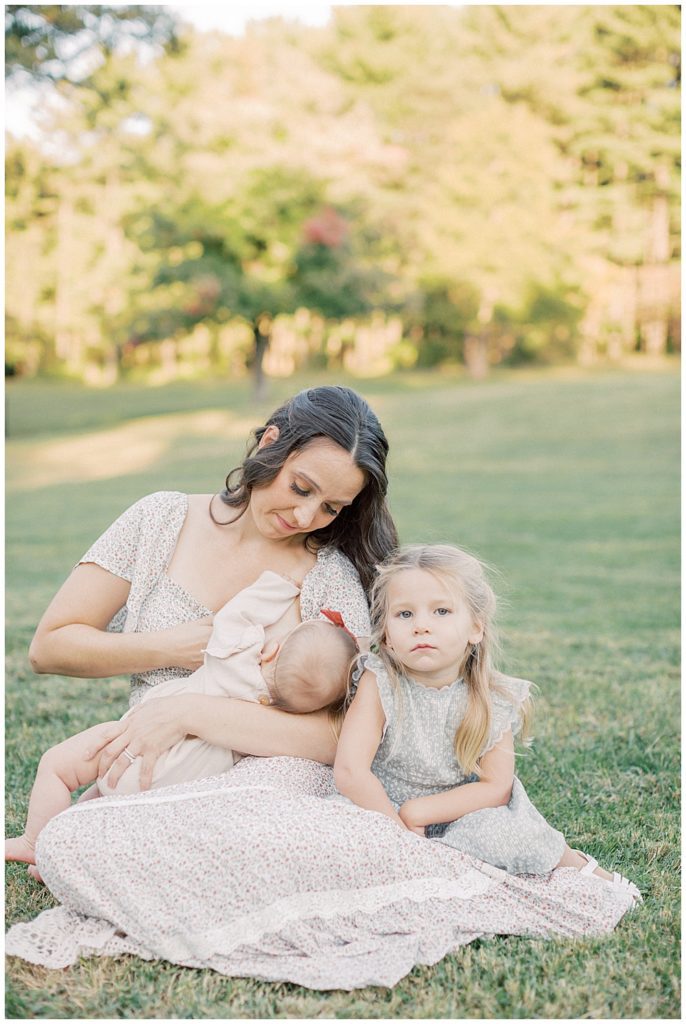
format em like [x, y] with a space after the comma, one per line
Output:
[21, 849]
[35, 873]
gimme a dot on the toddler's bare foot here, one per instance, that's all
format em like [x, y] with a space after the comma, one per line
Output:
[35, 873]
[21, 849]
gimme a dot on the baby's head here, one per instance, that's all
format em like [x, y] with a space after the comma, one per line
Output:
[309, 670]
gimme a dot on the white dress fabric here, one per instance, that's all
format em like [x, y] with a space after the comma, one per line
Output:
[231, 669]
[416, 758]
[259, 873]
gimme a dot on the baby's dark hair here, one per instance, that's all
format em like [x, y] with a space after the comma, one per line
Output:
[363, 531]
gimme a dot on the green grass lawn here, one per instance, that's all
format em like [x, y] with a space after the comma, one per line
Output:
[568, 483]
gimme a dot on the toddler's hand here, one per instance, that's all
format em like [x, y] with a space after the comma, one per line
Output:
[408, 815]
[185, 644]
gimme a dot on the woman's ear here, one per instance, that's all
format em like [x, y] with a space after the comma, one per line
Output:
[271, 434]
[477, 634]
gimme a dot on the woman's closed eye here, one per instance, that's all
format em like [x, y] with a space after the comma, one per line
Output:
[303, 493]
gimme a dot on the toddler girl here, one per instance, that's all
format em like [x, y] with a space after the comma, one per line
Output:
[428, 737]
[258, 650]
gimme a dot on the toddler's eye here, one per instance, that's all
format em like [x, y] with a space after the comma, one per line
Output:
[443, 611]
[404, 614]
[299, 491]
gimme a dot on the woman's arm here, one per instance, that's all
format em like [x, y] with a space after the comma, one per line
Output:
[157, 724]
[359, 741]
[492, 790]
[71, 638]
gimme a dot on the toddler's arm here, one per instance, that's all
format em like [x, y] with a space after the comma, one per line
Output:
[358, 743]
[492, 790]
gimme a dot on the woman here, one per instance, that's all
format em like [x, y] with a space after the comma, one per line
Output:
[257, 872]
[308, 502]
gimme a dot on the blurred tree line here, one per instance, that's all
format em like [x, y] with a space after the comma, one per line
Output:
[407, 186]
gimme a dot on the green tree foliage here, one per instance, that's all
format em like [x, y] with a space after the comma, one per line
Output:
[505, 178]
[57, 42]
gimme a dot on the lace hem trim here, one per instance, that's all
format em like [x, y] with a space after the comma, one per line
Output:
[56, 938]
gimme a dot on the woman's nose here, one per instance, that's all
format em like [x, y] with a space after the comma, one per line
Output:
[304, 514]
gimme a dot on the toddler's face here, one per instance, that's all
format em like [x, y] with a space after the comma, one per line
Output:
[428, 626]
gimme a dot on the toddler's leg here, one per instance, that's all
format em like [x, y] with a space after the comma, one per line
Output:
[62, 770]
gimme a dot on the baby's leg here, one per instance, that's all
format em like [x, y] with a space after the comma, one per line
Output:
[62, 770]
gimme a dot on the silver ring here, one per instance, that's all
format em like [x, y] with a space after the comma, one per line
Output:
[127, 753]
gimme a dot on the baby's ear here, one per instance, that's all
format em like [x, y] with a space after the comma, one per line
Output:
[270, 651]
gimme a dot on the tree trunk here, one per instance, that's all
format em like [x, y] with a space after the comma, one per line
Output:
[476, 355]
[262, 329]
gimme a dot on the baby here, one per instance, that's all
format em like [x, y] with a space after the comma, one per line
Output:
[258, 650]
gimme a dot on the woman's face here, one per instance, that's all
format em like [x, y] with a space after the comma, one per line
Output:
[311, 488]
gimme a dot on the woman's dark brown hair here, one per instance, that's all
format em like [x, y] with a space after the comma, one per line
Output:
[364, 531]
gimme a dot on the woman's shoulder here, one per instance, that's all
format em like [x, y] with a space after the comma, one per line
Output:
[333, 583]
[331, 560]
[162, 501]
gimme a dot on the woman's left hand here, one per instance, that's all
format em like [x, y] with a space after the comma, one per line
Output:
[149, 730]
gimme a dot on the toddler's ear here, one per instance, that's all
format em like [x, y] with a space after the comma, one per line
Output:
[270, 651]
[477, 634]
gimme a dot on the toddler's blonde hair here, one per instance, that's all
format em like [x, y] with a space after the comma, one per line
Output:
[465, 577]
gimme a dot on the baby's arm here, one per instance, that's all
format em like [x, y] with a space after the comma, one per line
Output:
[358, 743]
[492, 790]
[62, 770]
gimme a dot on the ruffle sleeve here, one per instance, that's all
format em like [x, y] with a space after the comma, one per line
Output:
[508, 701]
[117, 549]
[374, 664]
[137, 548]
[333, 583]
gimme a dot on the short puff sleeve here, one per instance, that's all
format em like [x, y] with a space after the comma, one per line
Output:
[333, 583]
[508, 700]
[116, 549]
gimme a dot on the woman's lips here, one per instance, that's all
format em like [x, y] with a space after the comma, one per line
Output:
[284, 525]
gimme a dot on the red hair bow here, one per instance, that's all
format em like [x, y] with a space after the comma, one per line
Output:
[337, 620]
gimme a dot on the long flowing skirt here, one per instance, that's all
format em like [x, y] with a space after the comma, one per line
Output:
[257, 873]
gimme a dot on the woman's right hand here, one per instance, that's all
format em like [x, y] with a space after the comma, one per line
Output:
[184, 645]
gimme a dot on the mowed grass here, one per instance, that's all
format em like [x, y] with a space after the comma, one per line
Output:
[568, 484]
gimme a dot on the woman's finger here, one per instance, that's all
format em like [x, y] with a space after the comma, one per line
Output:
[119, 766]
[106, 736]
[148, 762]
[111, 753]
